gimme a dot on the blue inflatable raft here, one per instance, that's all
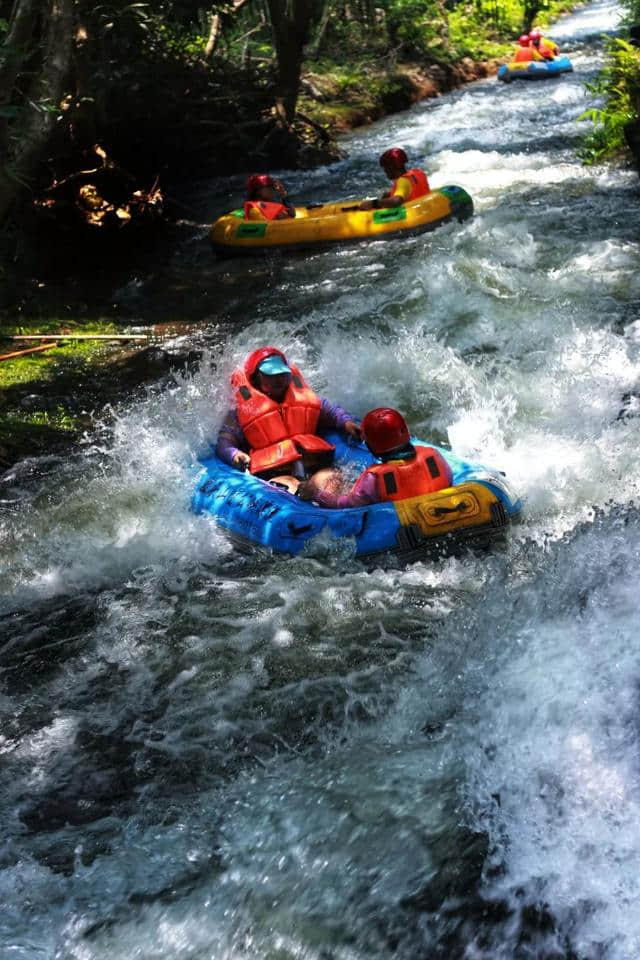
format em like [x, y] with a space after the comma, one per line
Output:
[534, 70]
[475, 510]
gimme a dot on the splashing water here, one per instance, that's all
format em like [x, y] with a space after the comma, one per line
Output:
[209, 755]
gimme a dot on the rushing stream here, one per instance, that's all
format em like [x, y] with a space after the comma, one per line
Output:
[207, 756]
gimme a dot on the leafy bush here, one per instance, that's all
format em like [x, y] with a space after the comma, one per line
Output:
[619, 83]
[418, 27]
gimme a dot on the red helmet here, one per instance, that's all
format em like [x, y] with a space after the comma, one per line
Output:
[384, 430]
[254, 359]
[258, 180]
[535, 34]
[524, 40]
[394, 155]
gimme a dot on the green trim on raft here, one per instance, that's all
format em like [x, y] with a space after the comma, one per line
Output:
[460, 201]
[251, 230]
[389, 214]
[455, 194]
[237, 213]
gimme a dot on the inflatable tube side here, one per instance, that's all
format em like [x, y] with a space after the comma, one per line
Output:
[534, 70]
[477, 508]
[339, 223]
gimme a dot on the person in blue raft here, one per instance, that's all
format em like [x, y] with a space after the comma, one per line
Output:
[275, 431]
[276, 427]
[403, 471]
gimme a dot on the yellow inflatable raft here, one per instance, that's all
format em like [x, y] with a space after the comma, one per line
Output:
[325, 223]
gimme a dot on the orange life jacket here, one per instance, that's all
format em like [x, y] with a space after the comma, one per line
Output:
[278, 434]
[545, 52]
[420, 184]
[266, 209]
[525, 55]
[427, 472]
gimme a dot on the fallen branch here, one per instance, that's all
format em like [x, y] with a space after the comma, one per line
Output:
[106, 166]
[80, 336]
[21, 353]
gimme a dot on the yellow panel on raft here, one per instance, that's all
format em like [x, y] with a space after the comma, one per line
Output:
[467, 505]
[329, 222]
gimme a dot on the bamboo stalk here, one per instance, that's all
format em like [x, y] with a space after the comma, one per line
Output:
[80, 336]
[21, 353]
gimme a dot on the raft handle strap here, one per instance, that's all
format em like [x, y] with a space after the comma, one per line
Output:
[441, 511]
[298, 531]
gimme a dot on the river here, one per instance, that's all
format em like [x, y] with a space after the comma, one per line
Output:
[210, 756]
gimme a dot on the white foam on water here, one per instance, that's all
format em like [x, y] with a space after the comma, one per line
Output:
[216, 757]
[560, 714]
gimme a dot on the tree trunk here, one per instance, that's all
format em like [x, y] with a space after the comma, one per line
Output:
[215, 29]
[321, 29]
[531, 10]
[291, 20]
[40, 108]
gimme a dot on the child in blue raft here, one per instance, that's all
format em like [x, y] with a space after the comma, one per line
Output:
[404, 471]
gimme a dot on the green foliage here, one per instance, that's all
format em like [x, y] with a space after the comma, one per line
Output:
[44, 366]
[619, 84]
[632, 10]
[471, 35]
[167, 39]
[485, 29]
[57, 418]
[417, 27]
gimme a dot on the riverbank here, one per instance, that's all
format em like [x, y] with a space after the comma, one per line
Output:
[340, 92]
[340, 99]
[50, 400]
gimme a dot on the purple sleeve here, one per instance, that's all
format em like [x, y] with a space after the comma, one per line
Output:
[362, 493]
[231, 438]
[332, 417]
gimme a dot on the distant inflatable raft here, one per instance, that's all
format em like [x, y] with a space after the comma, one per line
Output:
[321, 224]
[476, 509]
[534, 70]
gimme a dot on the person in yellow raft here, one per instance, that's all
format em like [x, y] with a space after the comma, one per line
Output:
[267, 199]
[406, 184]
[544, 45]
[525, 52]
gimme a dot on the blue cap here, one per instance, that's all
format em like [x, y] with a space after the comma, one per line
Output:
[273, 365]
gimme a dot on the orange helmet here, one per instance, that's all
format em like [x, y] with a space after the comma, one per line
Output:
[258, 356]
[256, 181]
[384, 430]
[394, 155]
